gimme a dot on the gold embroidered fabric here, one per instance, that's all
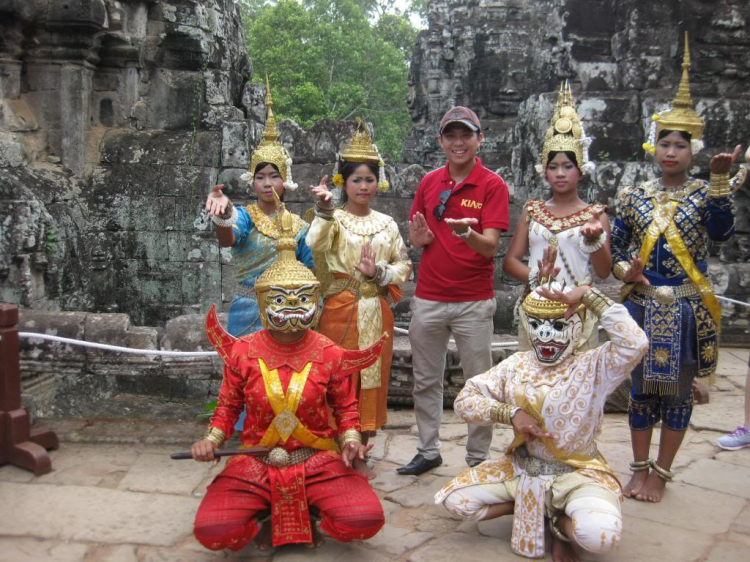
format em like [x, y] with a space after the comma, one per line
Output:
[267, 224]
[568, 400]
[538, 212]
[342, 239]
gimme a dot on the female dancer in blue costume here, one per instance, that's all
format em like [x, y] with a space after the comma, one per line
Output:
[251, 231]
[659, 248]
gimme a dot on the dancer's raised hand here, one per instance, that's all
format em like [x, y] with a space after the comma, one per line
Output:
[721, 163]
[546, 265]
[322, 193]
[216, 202]
[366, 264]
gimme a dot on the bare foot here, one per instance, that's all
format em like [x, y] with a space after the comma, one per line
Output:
[263, 539]
[652, 490]
[361, 467]
[562, 551]
[317, 537]
[632, 488]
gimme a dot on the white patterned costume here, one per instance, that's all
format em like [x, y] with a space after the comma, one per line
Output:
[566, 473]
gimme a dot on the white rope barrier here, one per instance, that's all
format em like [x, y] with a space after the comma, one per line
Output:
[732, 301]
[494, 344]
[117, 348]
[166, 353]
[163, 352]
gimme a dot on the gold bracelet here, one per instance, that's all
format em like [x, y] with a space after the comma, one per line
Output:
[719, 185]
[620, 270]
[596, 301]
[215, 435]
[502, 413]
[350, 436]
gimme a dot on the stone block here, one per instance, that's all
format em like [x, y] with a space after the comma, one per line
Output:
[733, 548]
[12, 154]
[234, 145]
[39, 356]
[173, 100]
[454, 546]
[189, 181]
[79, 464]
[700, 510]
[153, 213]
[397, 541]
[191, 283]
[102, 516]
[114, 329]
[14, 549]
[230, 177]
[157, 473]
[161, 283]
[218, 87]
[716, 475]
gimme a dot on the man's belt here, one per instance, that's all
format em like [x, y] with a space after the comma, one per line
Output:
[534, 466]
[359, 288]
[665, 294]
[280, 458]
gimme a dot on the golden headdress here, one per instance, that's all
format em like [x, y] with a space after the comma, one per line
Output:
[566, 133]
[536, 305]
[270, 150]
[361, 149]
[680, 116]
[286, 272]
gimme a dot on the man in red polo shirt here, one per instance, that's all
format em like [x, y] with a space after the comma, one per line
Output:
[456, 218]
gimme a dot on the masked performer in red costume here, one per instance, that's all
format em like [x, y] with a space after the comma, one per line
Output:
[285, 375]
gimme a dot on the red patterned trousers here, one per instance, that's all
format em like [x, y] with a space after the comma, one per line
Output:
[227, 516]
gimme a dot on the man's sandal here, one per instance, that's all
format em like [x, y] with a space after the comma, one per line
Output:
[662, 473]
[640, 466]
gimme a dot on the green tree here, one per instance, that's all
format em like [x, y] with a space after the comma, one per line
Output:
[335, 58]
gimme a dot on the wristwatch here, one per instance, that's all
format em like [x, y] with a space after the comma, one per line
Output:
[463, 235]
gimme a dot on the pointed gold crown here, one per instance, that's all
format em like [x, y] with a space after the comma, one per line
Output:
[270, 149]
[361, 148]
[287, 271]
[680, 116]
[565, 133]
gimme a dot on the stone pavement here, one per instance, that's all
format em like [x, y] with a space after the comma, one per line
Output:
[115, 496]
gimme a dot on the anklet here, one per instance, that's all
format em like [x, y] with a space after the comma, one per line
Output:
[662, 473]
[640, 466]
[557, 533]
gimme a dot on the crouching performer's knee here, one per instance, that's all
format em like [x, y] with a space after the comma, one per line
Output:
[597, 524]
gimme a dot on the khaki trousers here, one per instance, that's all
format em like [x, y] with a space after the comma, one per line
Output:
[432, 324]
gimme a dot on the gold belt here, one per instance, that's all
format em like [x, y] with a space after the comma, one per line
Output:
[666, 294]
[359, 288]
[280, 458]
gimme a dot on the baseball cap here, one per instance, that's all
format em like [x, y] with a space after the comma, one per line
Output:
[460, 114]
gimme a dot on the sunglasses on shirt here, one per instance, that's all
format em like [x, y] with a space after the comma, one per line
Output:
[439, 211]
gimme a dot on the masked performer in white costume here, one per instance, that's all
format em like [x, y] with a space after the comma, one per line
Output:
[553, 396]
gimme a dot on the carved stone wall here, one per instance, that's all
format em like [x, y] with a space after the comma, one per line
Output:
[64, 380]
[116, 117]
[506, 58]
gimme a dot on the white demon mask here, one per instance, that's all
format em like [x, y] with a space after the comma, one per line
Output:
[552, 336]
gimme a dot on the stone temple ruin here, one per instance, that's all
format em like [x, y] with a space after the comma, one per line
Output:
[116, 116]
